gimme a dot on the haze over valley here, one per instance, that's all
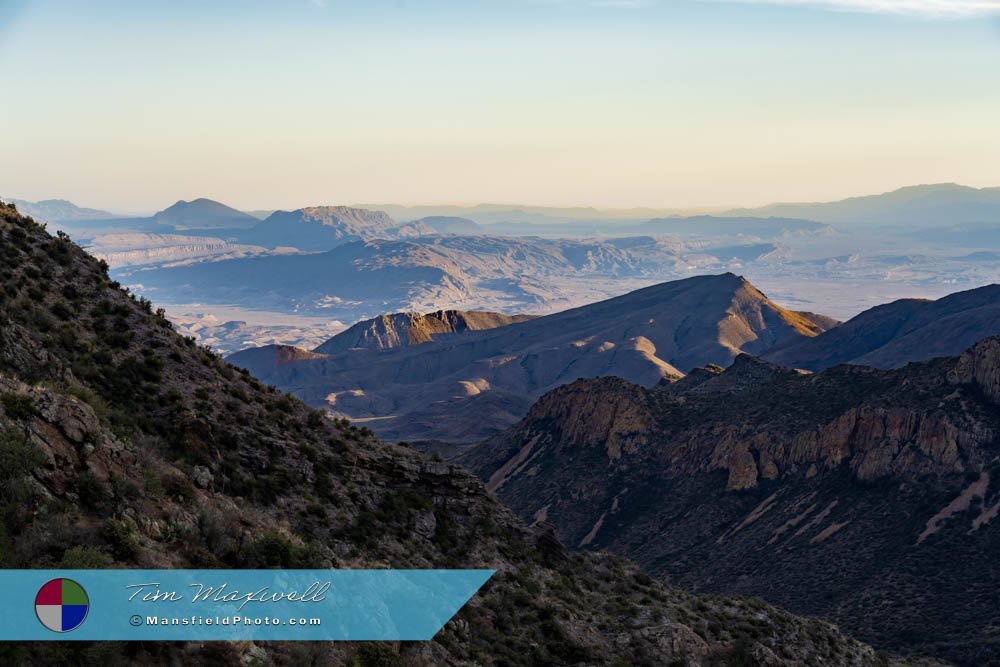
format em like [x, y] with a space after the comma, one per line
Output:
[236, 280]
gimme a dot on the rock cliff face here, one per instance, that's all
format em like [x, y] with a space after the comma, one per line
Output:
[980, 367]
[404, 329]
[842, 494]
[124, 444]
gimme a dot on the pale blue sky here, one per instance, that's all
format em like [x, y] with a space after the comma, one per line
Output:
[281, 103]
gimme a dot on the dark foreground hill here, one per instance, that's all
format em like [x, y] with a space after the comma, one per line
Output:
[868, 497]
[123, 444]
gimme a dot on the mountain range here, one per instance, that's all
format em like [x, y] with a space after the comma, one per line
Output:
[204, 214]
[427, 259]
[461, 388]
[359, 280]
[897, 333]
[321, 228]
[406, 329]
[865, 496]
[940, 204]
[59, 210]
[126, 445]
[466, 386]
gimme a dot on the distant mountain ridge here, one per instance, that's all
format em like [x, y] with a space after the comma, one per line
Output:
[204, 214]
[450, 224]
[59, 210]
[358, 280]
[938, 204]
[710, 225]
[405, 329]
[487, 213]
[320, 227]
[470, 385]
[894, 334]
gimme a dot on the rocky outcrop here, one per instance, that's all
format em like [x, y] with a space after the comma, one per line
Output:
[591, 413]
[405, 329]
[821, 491]
[980, 366]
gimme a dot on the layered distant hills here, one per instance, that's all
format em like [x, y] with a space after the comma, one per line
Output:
[59, 210]
[465, 386]
[360, 280]
[834, 257]
[924, 205]
[325, 227]
[204, 214]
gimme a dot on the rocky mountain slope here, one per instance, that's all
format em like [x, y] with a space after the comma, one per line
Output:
[325, 227]
[897, 333]
[462, 387]
[868, 497]
[123, 444]
[405, 329]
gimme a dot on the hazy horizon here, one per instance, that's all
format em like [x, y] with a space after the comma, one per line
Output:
[676, 105]
[685, 210]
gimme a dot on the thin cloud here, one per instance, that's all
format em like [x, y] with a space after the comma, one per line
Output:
[625, 4]
[929, 8]
[925, 8]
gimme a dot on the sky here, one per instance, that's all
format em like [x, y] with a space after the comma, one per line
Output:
[263, 104]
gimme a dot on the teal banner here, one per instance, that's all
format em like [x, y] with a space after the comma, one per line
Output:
[158, 605]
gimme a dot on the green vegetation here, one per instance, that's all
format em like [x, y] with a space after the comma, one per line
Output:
[123, 538]
[17, 459]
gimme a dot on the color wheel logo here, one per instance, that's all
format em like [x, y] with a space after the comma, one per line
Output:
[62, 605]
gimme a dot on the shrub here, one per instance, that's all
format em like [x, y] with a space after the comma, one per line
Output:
[93, 491]
[123, 538]
[18, 458]
[18, 407]
[275, 550]
[375, 655]
[84, 558]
